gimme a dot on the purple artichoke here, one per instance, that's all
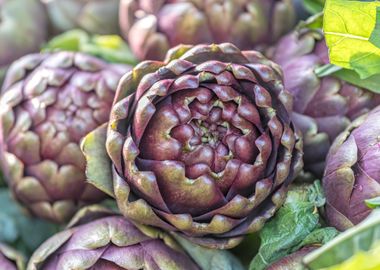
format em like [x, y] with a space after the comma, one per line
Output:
[352, 172]
[107, 241]
[23, 29]
[201, 144]
[153, 26]
[93, 16]
[10, 259]
[49, 102]
[323, 107]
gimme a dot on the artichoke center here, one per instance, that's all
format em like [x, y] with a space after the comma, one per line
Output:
[210, 133]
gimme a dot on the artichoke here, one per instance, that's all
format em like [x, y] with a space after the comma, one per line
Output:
[93, 16]
[201, 144]
[23, 29]
[49, 102]
[152, 27]
[97, 239]
[352, 172]
[323, 107]
[10, 259]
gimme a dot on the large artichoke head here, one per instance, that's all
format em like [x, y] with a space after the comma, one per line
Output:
[153, 26]
[49, 102]
[10, 259]
[23, 29]
[93, 16]
[97, 239]
[323, 106]
[201, 144]
[352, 173]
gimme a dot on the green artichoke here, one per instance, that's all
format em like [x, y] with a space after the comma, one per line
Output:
[352, 173]
[323, 106]
[99, 239]
[23, 29]
[10, 259]
[93, 16]
[201, 144]
[152, 27]
[49, 102]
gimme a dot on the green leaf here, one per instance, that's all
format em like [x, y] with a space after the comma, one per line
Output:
[208, 258]
[362, 237]
[318, 237]
[111, 48]
[348, 26]
[68, 41]
[99, 166]
[314, 6]
[17, 229]
[247, 249]
[373, 203]
[350, 76]
[369, 260]
[295, 225]
[375, 36]
[313, 22]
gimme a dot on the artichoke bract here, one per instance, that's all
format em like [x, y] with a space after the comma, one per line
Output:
[10, 259]
[97, 239]
[152, 27]
[23, 29]
[352, 172]
[323, 107]
[201, 144]
[94, 16]
[49, 102]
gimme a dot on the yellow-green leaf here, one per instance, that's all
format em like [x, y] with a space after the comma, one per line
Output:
[348, 26]
[362, 260]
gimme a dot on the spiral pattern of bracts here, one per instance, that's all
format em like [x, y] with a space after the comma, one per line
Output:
[353, 172]
[49, 103]
[204, 142]
[152, 27]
